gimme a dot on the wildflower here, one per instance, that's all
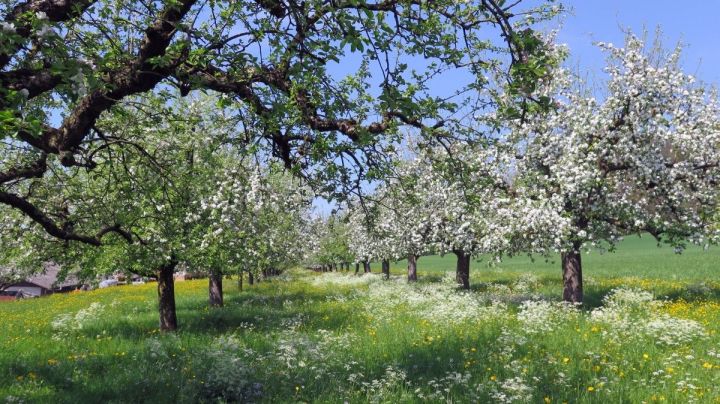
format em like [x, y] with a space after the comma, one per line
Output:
[547, 400]
[707, 365]
[52, 362]
[566, 360]
[591, 388]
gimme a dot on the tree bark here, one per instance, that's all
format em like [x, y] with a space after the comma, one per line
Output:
[240, 281]
[357, 268]
[215, 288]
[462, 271]
[412, 268]
[251, 278]
[166, 297]
[366, 266]
[386, 269]
[572, 276]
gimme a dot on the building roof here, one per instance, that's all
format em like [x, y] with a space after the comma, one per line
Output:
[49, 278]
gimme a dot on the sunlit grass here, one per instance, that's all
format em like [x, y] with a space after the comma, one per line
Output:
[336, 337]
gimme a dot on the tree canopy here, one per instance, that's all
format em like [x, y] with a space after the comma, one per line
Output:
[64, 64]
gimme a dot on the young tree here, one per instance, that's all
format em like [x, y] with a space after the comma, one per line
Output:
[645, 158]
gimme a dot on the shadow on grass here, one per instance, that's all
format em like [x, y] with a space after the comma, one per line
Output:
[248, 309]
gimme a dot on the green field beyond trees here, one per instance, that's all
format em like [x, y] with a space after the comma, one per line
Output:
[335, 337]
[635, 256]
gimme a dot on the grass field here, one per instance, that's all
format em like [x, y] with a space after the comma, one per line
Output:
[635, 256]
[649, 333]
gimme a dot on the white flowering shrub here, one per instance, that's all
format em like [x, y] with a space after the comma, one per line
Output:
[67, 324]
[537, 317]
[343, 279]
[512, 390]
[380, 389]
[227, 372]
[667, 330]
[630, 313]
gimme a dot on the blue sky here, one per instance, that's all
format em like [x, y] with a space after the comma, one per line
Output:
[694, 23]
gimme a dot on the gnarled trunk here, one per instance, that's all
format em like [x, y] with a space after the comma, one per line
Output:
[462, 271]
[215, 288]
[572, 276]
[386, 269]
[412, 268]
[166, 297]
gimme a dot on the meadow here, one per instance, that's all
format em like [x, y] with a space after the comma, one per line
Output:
[647, 333]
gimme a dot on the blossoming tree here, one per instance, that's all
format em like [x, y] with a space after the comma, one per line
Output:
[84, 58]
[251, 222]
[644, 158]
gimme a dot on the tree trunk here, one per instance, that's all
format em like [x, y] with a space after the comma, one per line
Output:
[366, 266]
[240, 281]
[386, 269]
[572, 276]
[166, 297]
[462, 271]
[215, 288]
[357, 268]
[412, 268]
[251, 278]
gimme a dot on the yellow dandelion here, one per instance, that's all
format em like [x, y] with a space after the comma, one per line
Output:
[591, 388]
